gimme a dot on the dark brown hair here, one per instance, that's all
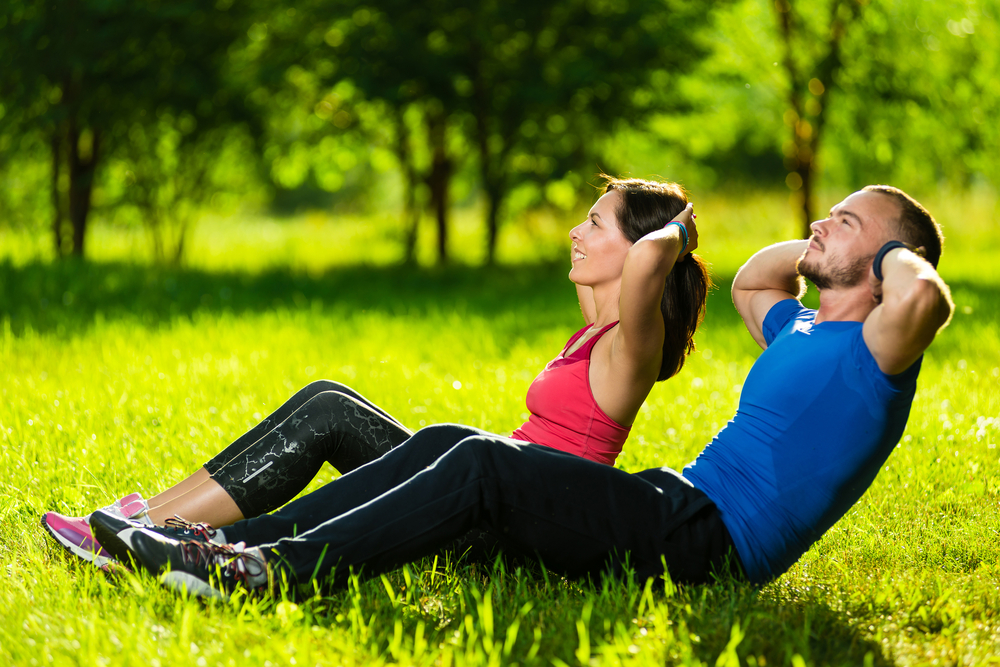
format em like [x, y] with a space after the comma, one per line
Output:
[914, 224]
[645, 207]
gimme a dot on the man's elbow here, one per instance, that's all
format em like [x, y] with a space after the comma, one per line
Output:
[930, 300]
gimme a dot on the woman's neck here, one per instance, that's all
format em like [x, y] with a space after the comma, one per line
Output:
[606, 303]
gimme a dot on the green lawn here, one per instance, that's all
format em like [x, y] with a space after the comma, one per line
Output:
[116, 376]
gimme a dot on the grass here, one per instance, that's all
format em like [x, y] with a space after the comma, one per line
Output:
[117, 375]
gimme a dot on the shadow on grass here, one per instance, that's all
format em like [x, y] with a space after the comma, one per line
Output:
[690, 625]
[66, 298]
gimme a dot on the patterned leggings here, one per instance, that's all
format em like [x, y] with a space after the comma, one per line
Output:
[325, 421]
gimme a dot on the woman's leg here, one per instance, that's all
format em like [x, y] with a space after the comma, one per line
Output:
[274, 461]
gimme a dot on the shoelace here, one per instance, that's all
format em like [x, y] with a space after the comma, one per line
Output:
[233, 563]
[202, 530]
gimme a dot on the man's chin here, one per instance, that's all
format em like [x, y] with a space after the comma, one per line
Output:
[812, 274]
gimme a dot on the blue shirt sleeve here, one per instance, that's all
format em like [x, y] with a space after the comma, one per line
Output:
[780, 315]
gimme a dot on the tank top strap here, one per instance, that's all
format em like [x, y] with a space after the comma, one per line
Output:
[572, 339]
[584, 350]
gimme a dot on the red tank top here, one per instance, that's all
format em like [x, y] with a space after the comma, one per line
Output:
[564, 414]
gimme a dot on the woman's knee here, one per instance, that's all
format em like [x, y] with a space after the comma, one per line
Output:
[319, 386]
[334, 404]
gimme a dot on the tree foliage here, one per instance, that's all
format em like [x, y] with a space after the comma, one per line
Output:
[85, 73]
[531, 87]
[142, 107]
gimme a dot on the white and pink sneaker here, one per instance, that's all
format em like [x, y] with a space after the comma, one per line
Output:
[73, 532]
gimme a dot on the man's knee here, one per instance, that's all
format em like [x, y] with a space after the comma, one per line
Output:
[437, 439]
[487, 454]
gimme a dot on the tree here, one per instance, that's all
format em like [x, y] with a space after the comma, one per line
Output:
[550, 81]
[811, 57]
[533, 86]
[920, 90]
[86, 71]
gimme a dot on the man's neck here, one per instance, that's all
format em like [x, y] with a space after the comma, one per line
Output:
[852, 304]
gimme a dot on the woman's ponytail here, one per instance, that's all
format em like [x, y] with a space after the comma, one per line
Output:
[683, 309]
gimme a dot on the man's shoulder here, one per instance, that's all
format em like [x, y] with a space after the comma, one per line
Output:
[782, 314]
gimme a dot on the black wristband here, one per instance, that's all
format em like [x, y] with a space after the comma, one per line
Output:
[880, 255]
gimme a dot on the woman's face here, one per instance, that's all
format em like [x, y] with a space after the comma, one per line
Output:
[599, 248]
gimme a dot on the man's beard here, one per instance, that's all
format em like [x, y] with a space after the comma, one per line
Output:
[844, 275]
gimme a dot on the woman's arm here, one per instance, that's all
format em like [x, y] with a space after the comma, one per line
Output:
[622, 377]
[639, 341]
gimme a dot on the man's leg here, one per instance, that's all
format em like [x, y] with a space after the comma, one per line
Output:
[578, 516]
[355, 488]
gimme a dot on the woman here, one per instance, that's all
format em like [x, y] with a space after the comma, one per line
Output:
[642, 294]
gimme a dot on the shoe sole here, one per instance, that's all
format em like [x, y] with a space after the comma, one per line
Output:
[182, 581]
[75, 549]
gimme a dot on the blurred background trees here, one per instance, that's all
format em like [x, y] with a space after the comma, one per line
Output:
[154, 114]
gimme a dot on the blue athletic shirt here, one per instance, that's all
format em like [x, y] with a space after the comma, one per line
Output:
[816, 421]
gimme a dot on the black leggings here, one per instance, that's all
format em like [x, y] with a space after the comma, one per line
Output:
[325, 421]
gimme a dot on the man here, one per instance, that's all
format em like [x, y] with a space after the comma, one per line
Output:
[821, 410]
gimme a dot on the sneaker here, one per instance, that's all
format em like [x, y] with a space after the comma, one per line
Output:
[181, 529]
[115, 531]
[203, 569]
[132, 506]
[74, 534]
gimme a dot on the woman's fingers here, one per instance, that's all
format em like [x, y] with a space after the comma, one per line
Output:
[687, 218]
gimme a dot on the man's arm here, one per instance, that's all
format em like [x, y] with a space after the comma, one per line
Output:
[768, 277]
[916, 304]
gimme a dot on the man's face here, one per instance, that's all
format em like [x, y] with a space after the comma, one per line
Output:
[842, 246]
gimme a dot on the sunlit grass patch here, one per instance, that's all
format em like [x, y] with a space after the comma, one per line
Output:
[118, 375]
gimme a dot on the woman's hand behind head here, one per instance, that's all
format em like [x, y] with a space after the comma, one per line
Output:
[687, 218]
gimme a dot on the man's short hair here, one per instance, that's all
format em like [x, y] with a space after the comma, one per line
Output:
[914, 224]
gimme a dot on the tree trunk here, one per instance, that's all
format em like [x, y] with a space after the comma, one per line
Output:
[807, 100]
[492, 226]
[178, 252]
[57, 208]
[800, 171]
[82, 165]
[411, 215]
[439, 179]
[490, 164]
